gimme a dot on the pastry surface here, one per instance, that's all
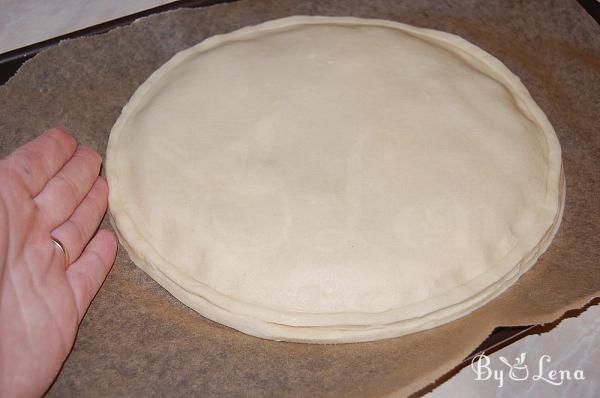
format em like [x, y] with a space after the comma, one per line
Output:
[325, 179]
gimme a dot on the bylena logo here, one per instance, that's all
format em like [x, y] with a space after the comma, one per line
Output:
[519, 370]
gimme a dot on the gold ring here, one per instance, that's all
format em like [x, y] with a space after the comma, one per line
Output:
[62, 248]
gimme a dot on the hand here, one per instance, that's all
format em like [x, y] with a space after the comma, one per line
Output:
[48, 188]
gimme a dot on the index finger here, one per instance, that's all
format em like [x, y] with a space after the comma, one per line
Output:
[36, 162]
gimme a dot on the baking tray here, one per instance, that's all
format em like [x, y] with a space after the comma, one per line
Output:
[10, 61]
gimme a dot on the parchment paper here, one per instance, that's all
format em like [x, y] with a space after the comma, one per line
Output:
[137, 340]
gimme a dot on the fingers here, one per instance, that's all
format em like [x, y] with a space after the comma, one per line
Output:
[77, 231]
[87, 274]
[36, 162]
[63, 193]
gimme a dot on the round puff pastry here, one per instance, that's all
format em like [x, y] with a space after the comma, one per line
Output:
[326, 179]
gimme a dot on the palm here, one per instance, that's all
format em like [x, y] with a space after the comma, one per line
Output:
[48, 188]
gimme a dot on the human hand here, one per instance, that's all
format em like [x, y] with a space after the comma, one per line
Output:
[48, 188]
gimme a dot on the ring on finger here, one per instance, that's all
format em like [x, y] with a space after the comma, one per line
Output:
[63, 249]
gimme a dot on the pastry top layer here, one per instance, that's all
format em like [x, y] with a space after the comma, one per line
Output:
[320, 171]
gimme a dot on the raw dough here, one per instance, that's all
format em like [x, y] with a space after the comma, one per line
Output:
[325, 179]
